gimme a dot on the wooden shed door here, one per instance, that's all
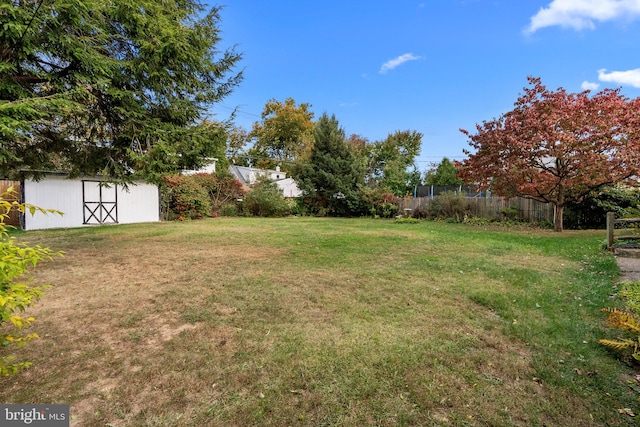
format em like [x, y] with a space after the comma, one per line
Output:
[100, 202]
[14, 214]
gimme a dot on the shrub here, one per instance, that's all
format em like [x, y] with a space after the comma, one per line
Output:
[16, 294]
[378, 203]
[229, 210]
[421, 212]
[449, 205]
[474, 220]
[627, 321]
[265, 199]
[510, 213]
[223, 189]
[199, 195]
[186, 198]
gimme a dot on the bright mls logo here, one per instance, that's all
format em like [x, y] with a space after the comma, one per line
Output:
[34, 415]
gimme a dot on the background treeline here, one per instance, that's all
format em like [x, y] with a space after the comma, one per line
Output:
[220, 194]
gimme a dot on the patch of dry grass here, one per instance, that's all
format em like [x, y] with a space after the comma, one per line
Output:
[316, 322]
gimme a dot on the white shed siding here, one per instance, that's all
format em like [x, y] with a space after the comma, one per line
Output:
[54, 192]
[140, 203]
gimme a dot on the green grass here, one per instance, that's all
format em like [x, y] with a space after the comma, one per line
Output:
[304, 321]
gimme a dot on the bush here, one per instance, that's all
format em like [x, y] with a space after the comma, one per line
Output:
[627, 320]
[474, 220]
[223, 189]
[186, 198]
[199, 195]
[229, 210]
[378, 203]
[510, 213]
[421, 212]
[266, 200]
[628, 346]
[449, 205]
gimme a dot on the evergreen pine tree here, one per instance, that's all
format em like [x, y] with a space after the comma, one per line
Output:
[332, 178]
[110, 87]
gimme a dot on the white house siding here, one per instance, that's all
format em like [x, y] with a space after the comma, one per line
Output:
[139, 204]
[249, 176]
[209, 167]
[289, 188]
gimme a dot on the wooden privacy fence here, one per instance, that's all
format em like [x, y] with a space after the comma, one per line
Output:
[14, 215]
[519, 208]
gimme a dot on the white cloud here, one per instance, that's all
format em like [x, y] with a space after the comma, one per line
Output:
[393, 63]
[623, 78]
[582, 14]
[589, 85]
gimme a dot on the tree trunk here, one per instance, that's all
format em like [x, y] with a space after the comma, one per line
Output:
[557, 224]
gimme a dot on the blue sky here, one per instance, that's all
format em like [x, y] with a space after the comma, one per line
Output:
[433, 66]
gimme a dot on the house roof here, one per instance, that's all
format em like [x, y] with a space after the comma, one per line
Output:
[247, 175]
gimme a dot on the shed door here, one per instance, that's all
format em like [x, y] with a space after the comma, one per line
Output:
[100, 202]
[13, 217]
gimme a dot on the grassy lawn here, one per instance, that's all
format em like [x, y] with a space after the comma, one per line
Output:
[346, 322]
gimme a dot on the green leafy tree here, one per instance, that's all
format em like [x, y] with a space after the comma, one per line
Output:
[391, 162]
[284, 135]
[110, 87]
[331, 179]
[237, 139]
[16, 292]
[444, 174]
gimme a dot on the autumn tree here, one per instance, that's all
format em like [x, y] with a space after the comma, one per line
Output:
[283, 136]
[556, 146]
[113, 87]
[237, 139]
[391, 162]
[445, 173]
[358, 144]
[331, 178]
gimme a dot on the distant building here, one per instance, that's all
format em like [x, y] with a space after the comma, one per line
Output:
[209, 167]
[248, 176]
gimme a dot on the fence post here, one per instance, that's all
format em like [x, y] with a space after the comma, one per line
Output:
[611, 223]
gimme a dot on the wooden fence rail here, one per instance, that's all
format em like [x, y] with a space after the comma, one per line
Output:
[611, 227]
[519, 208]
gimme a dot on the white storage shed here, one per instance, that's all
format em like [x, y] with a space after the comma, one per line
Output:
[88, 201]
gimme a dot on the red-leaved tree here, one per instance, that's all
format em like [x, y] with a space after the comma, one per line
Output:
[556, 146]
